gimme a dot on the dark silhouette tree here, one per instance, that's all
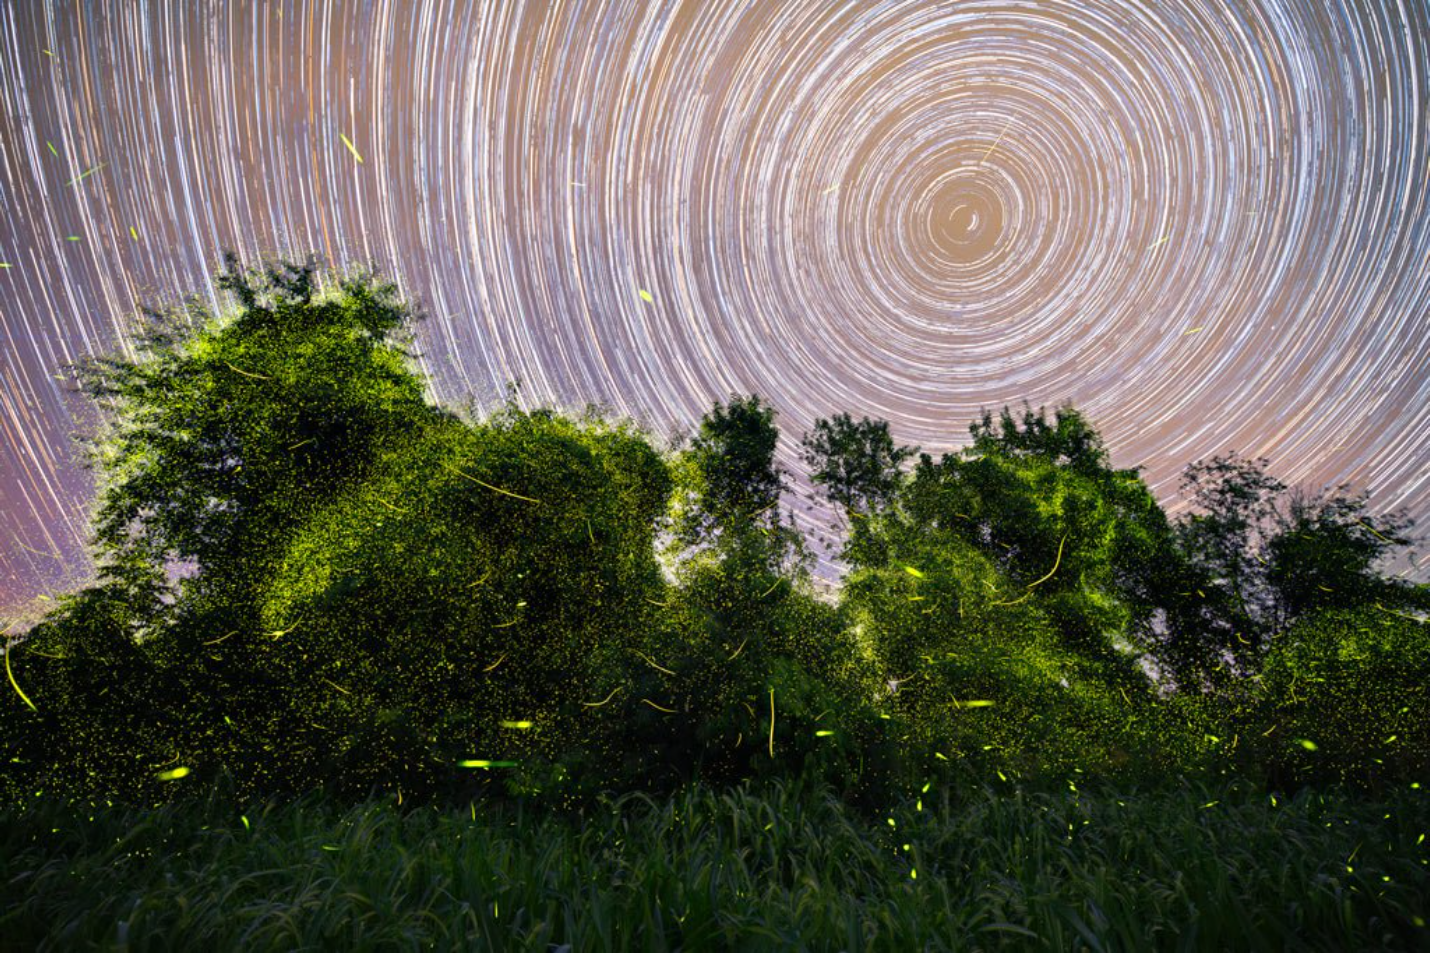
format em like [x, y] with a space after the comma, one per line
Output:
[729, 495]
[860, 468]
[1324, 555]
[858, 464]
[1257, 557]
[1226, 535]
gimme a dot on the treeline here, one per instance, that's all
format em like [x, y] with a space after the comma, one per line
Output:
[384, 594]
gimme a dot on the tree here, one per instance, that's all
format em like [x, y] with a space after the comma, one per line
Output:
[1236, 503]
[1258, 557]
[734, 451]
[857, 463]
[730, 488]
[483, 577]
[1341, 696]
[1069, 440]
[1074, 536]
[1324, 553]
[228, 429]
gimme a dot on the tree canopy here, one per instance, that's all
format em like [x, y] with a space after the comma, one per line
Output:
[381, 593]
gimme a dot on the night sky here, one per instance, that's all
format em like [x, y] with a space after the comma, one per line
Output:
[1204, 223]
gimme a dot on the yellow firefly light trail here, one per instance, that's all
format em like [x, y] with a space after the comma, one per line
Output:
[495, 664]
[247, 374]
[80, 178]
[652, 663]
[772, 723]
[1193, 331]
[604, 700]
[495, 489]
[351, 148]
[1057, 562]
[519, 725]
[174, 775]
[1372, 529]
[480, 763]
[11, 675]
[996, 142]
[913, 572]
[647, 296]
[668, 711]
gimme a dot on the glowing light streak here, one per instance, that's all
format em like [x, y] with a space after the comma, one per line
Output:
[495, 489]
[351, 148]
[237, 370]
[80, 178]
[652, 663]
[1056, 563]
[772, 722]
[604, 700]
[11, 675]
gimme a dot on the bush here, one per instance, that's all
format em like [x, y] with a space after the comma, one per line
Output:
[1343, 697]
[978, 676]
[699, 705]
[459, 606]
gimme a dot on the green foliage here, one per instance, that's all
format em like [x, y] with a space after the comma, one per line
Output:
[728, 487]
[742, 649]
[1324, 553]
[486, 575]
[228, 430]
[1078, 540]
[1256, 558]
[381, 594]
[979, 676]
[1343, 697]
[105, 715]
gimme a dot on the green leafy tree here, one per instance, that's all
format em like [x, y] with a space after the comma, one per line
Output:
[1324, 555]
[1077, 538]
[229, 429]
[1235, 502]
[732, 485]
[859, 466]
[856, 463]
[742, 622]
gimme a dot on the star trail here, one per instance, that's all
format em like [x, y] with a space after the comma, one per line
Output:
[1204, 223]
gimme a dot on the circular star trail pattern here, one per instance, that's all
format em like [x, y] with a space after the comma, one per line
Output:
[1205, 224]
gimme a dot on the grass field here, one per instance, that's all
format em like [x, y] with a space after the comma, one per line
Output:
[1096, 868]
